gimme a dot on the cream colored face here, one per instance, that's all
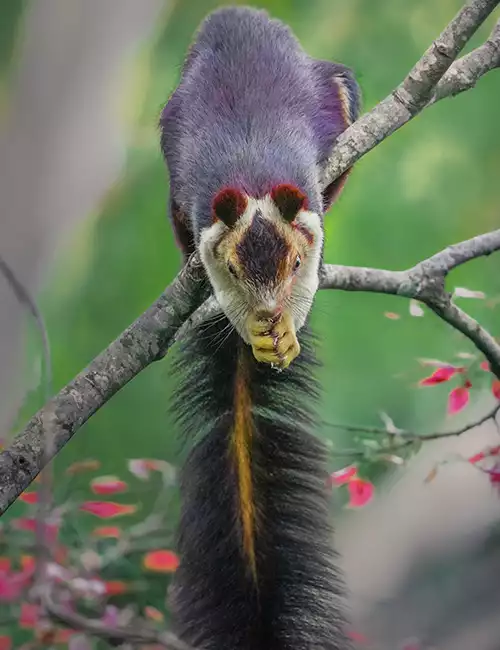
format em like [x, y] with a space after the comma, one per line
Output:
[264, 264]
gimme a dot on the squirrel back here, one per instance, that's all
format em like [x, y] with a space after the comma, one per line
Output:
[252, 110]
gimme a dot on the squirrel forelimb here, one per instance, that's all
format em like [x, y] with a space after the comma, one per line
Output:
[273, 341]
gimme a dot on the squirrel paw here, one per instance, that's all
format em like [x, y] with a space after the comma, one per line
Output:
[273, 342]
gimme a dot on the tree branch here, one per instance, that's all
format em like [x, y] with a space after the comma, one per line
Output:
[426, 282]
[420, 88]
[133, 634]
[464, 73]
[145, 341]
[149, 338]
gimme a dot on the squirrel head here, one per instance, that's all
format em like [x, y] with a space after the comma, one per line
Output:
[262, 255]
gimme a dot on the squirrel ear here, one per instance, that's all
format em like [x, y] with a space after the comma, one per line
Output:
[228, 206]
[289, 200]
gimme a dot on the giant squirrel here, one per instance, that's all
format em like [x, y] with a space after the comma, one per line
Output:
[245, 136]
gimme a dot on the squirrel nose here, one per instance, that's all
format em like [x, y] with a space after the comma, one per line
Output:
[269, 314]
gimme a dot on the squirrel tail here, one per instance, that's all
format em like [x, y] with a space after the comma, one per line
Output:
[257, 571]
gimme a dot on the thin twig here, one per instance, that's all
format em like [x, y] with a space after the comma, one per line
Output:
[134, 634]
[411, 436]
[45, 491]
[24, 298]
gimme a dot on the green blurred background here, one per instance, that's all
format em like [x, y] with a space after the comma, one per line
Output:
[431, 184]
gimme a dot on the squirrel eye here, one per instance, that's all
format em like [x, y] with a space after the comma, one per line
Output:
[231, 270]
[297, 263]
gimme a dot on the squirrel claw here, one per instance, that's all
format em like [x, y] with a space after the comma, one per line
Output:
[277, 346]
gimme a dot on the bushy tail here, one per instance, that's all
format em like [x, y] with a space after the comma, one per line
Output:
[257, 567]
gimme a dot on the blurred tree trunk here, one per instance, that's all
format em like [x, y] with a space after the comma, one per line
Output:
[61, 142]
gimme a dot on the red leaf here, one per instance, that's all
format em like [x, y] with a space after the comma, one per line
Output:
[458, 399]
[486, 453]
[107, 531]
[440, 375]
[360, 492]
[28, 562]
[28, 524]
[357, 637]
[342, 476]
[107, 485]
[153, 614]
[5, 642]
[107, 509]
[477, 457]
[484, 365]
[25, 523]
[29, 615]
[161, 561]
[495, 388]
[28, 497]
[117, 587]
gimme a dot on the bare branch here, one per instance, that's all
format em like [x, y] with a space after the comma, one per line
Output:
[23, 296]
[465, 73]
[412, 95]
[133, 634]
[426, 282]
[404, 437]
[145, 341]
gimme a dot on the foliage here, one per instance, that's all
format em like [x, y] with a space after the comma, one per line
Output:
[115, 573]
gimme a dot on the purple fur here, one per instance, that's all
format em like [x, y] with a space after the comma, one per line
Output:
[252, 110]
